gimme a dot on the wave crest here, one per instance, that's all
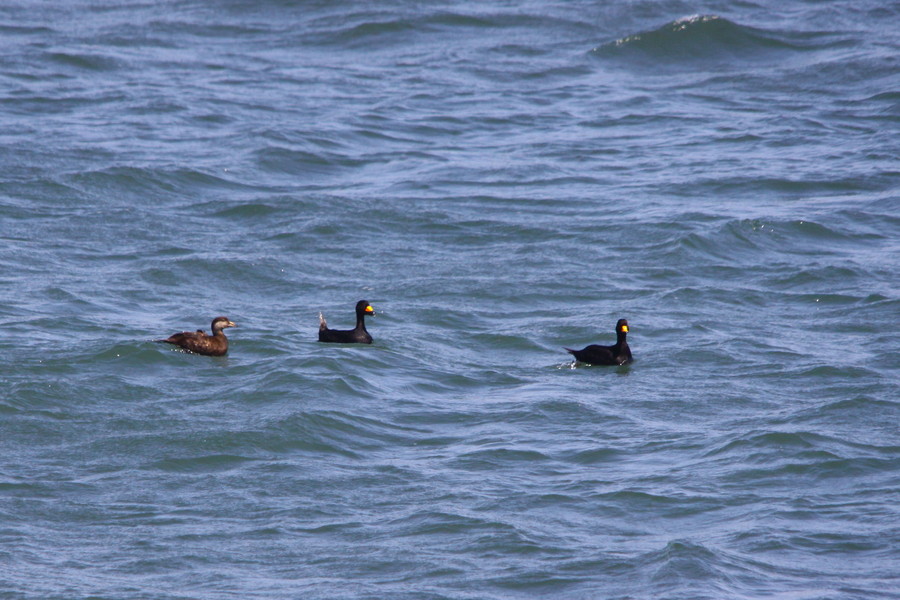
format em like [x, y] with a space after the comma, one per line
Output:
[698, 37]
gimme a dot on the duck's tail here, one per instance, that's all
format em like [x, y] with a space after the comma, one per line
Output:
[322, 324]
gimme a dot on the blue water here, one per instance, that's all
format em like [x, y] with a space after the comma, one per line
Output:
[499, 180]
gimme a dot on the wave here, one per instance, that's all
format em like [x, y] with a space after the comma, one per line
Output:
[86, 61]
[373, 30]
[698, 37]
[284, 161]
[741, 242]
[128, 182]
[768, 456]
[211, 463]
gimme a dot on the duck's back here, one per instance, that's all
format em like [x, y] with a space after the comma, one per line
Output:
[603, 355]
[200, 343]
[352, 336]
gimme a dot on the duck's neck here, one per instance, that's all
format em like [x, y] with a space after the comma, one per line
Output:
[361, 322]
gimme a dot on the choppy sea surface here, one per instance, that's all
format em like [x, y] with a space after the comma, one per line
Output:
[499, 180]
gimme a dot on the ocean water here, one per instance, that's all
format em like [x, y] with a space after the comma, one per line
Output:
[499, 180]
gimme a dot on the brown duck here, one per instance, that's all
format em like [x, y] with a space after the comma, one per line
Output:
[200, 343]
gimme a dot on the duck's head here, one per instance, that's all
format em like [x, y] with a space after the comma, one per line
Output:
[622, 326]
[364, 308]
[220, 323]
